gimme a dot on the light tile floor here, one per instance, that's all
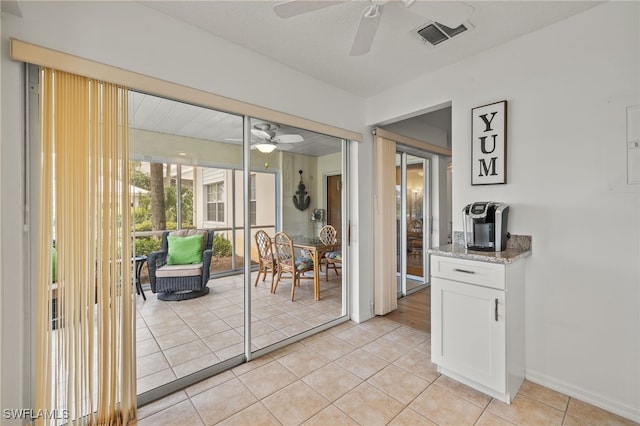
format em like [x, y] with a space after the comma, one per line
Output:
[375, 373]
[175, 339]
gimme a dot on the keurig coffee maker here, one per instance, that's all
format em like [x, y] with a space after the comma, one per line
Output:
[485, 225]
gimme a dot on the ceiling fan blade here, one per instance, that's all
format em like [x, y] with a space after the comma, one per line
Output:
[366, 30]
[262, 134]
[450, 13]
[290, 8]
[288, 139]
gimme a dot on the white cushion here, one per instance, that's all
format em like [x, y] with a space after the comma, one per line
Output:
[169, 271]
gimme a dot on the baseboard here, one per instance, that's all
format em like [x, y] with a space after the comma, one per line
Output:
[600, 401]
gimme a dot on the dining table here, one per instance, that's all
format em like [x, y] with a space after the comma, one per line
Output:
[316, 249]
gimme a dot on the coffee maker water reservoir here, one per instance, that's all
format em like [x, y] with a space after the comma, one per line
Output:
[485, 225]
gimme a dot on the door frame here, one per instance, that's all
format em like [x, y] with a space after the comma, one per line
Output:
[403, 275]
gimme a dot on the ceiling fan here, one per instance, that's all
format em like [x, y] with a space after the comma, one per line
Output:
[266, 133]
[449, 13]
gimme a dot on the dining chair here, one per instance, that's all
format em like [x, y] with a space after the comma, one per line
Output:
[333, 257]
[288, 263]
[266, 261]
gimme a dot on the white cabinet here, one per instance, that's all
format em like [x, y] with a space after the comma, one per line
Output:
[477, 323]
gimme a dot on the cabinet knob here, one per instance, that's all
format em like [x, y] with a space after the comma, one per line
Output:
[466, 271]
[496, 311]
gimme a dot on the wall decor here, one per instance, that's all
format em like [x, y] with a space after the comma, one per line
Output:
[318, 215]
[301, 200]
[489, 144]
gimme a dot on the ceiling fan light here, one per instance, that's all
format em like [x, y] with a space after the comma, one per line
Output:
[265, 147]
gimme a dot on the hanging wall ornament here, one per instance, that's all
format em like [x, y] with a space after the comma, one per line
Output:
[301, 200]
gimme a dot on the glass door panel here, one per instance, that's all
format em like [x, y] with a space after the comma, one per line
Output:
[412, 206]
[292, 183]
[184, 162]
[415, 221]
[400, 236]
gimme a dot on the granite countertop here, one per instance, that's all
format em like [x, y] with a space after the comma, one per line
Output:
[510, 255]
[518, 247]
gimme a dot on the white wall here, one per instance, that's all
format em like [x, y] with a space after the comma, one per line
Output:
[567, 86]
[133, 37]
[419, 130]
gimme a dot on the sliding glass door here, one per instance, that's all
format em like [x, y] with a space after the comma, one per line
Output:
[196, 171]
[296, 175]
[413, 221]
[193, 169]
[186, 173]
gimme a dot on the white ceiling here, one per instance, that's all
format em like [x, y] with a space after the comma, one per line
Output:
[318, 43]
[167, 117]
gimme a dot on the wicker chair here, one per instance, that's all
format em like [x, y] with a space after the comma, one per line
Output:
[180, 282]
[266, 261]
[333, 257]
[288, 263]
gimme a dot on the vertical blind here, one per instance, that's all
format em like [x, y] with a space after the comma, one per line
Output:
[85, 363]
[384, 221]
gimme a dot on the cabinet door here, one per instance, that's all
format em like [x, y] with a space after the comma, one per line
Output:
[468, 331]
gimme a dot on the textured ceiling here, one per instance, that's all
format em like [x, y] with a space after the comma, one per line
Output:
[318, 43]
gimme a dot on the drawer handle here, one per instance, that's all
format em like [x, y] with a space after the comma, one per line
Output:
[466, 271]
[496, 310]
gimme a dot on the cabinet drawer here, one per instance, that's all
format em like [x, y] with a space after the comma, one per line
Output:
[469, 271]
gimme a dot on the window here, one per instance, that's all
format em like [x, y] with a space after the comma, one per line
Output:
[252, 200]
[215, 202]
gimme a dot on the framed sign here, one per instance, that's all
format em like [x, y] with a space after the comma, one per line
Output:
[489, 144]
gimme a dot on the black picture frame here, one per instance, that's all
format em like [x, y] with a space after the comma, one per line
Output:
[489, 144]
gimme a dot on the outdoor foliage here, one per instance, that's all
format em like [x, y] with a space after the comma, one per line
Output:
[141, 212]
[146, 245]
[221, 246]
[141, 180]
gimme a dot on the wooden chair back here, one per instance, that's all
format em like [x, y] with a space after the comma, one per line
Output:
[265, 250]
[283, 246]
[328, 234]
[286, 259]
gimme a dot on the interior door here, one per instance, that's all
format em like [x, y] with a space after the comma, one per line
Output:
[334, 202]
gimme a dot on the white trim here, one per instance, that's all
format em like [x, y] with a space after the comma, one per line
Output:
[1, 239]
[414, 143]
[598, 400]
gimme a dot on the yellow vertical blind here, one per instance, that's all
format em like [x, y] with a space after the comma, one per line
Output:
[384, 221]
[86, 345]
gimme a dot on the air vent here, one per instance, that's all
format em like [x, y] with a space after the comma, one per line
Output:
[435, 32]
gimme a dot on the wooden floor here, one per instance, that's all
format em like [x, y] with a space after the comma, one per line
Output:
[414, 310]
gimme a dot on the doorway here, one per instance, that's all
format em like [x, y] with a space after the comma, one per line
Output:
[334, 203]
[413, 220]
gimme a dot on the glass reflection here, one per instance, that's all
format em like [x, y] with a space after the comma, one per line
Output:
[187, 174]
[298, 192]
[185, 166]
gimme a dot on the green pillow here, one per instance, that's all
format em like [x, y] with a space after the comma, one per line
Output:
[54, 259]
[184, 250]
